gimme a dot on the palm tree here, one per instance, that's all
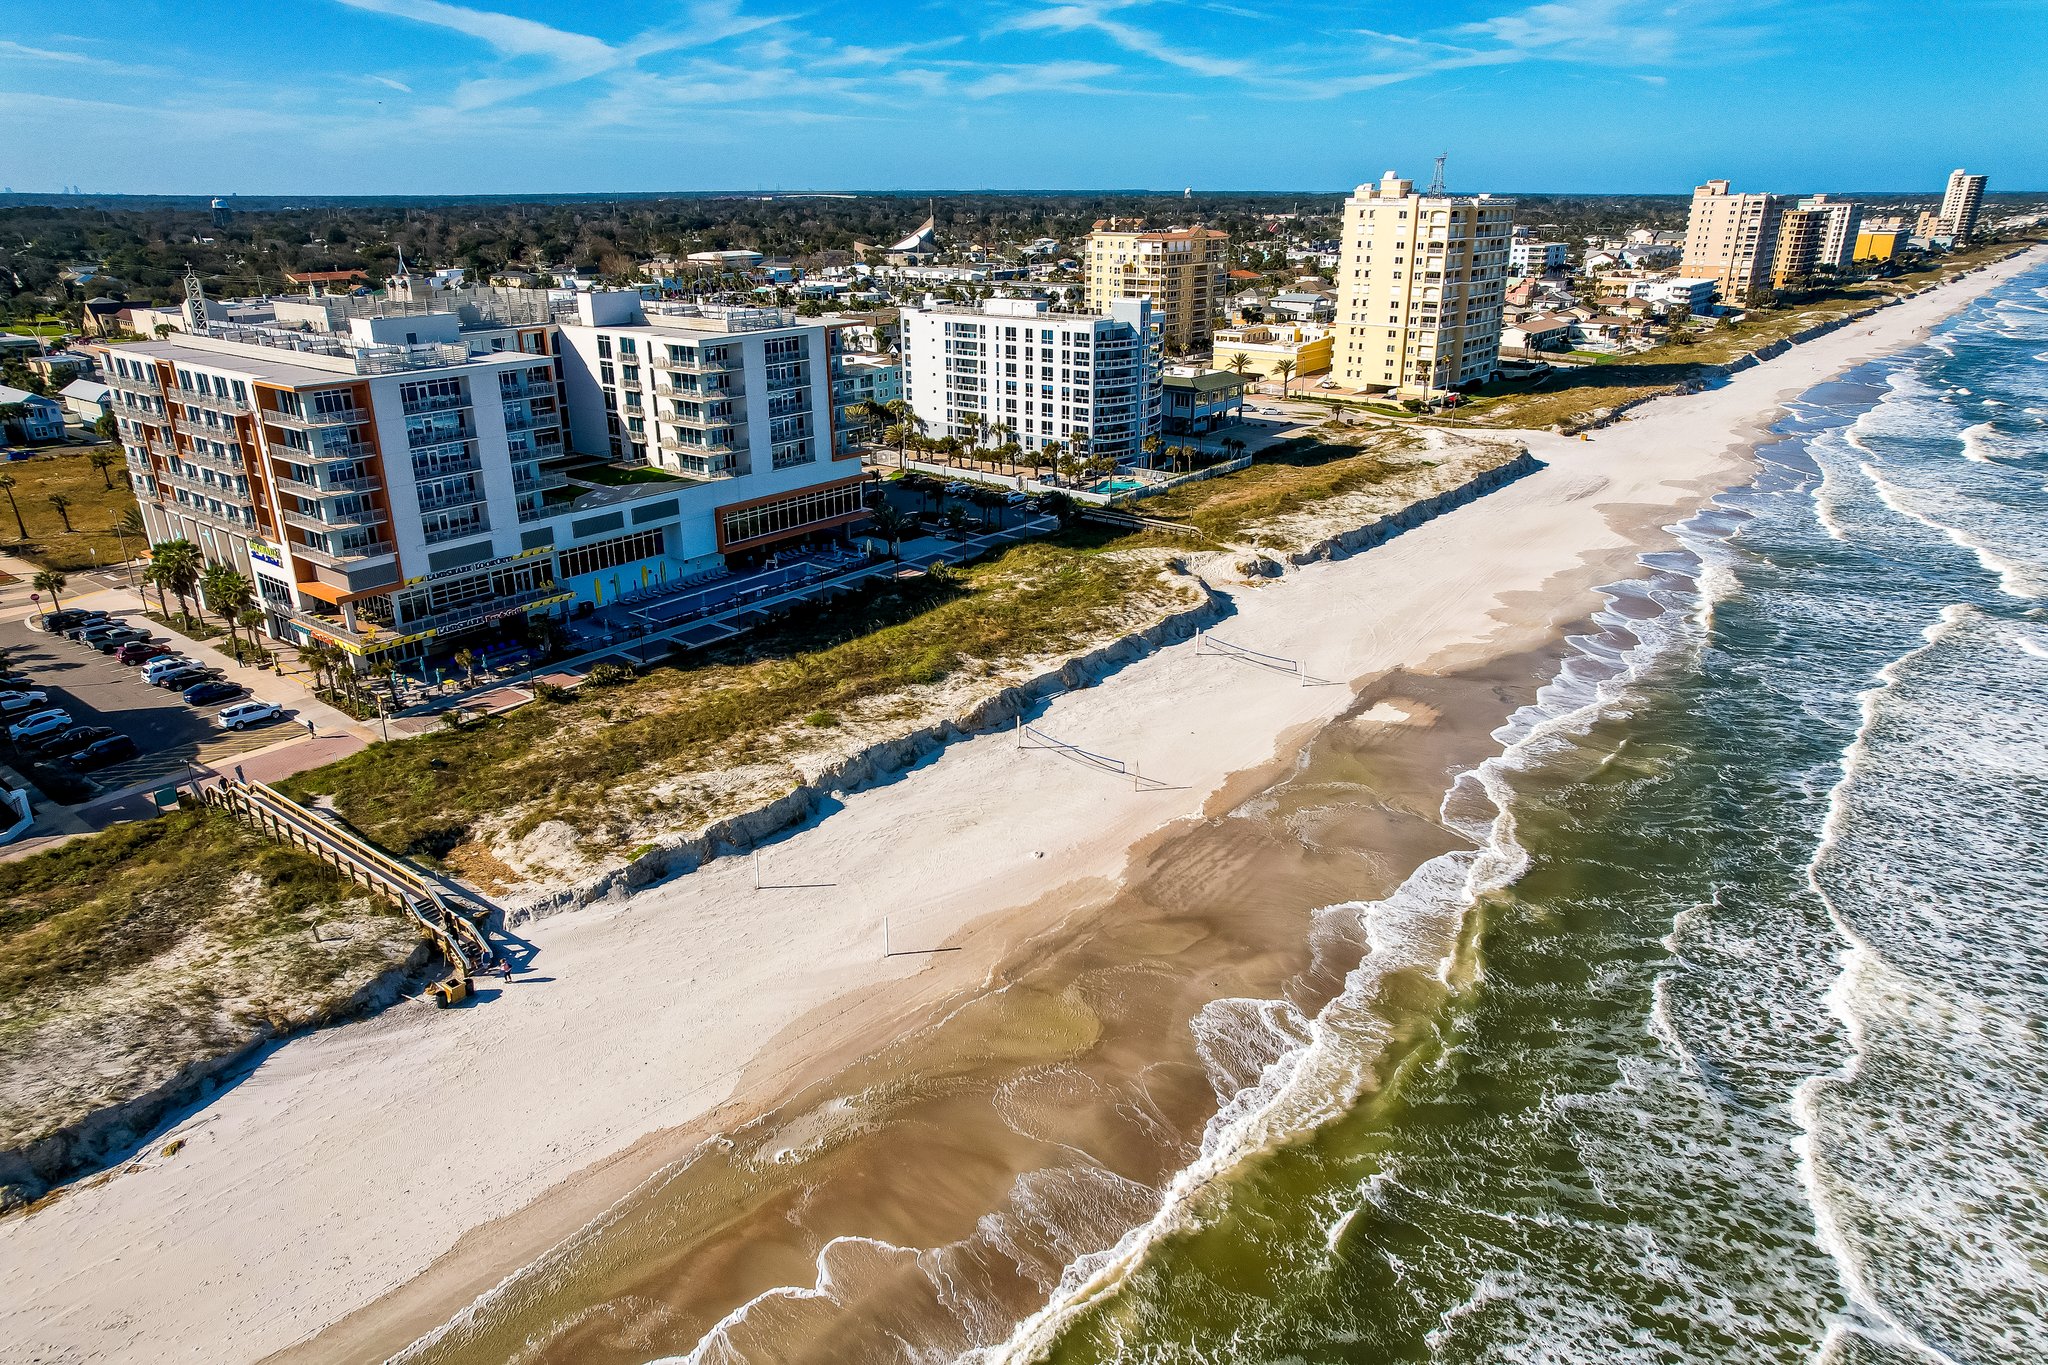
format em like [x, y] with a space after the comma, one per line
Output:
[7, 487]
[1285, 369]
[179, 565]
[103, 460]
[314, 657]
[1241, 364]
[465, 659]
[868, 414]
[888, 523]
[63, 506]
[386, 672]
[228, 595]
[1233, 447]
[249, 618]
[53, 583]
[1150, 445]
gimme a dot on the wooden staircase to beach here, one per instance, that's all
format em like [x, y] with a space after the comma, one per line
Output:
[440, 917]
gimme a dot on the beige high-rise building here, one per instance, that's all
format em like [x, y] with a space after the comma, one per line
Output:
[1800, 234]
[1180, 270]
[1838, 233]
[1420, 284]
[1732, 239]
[1959, 204]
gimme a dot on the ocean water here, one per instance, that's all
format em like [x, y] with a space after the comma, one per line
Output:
[1718, 1034]
[1745, 1052]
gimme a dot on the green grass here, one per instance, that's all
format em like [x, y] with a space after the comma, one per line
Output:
[1285, 478]
[576, 760]
[93, 511]
[86, 910]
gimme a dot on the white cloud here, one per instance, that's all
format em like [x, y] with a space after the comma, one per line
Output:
[1095, 16]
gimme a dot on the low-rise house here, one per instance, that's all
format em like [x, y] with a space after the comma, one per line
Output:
[1305, 306]
[27, 418]
[1197, 402]
[1544, 332]
[87, 399]
[61, 367]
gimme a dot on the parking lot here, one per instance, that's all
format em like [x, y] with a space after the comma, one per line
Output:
[98, 690]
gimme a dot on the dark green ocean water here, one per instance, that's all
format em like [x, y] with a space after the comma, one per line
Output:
[1747, 1055]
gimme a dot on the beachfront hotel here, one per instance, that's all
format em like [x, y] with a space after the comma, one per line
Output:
[1732, 239]
[427, 470]
[1960, 203]
[1045, 376]
[1421, 281]
[1841, 222]
[1180, 270]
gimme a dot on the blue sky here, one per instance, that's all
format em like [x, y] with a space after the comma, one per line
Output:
[506, 96]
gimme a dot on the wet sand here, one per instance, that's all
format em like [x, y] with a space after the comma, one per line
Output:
[955, 1173]
[903, 1096]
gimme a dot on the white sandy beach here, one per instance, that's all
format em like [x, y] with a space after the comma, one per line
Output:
[352, 1159]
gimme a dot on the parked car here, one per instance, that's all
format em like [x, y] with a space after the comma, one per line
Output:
[97, 631]
[103, 753]
[1015, 500]
[17, 703]
[178, 679]
[141, 651]
[207, 693]
[246, 713]
[169, 663]
[16, 682]
[69, 741]
[68, 618]
[956, 488]
[39, 724]
[115, 640]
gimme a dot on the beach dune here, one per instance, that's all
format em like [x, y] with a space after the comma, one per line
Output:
[393, 1169]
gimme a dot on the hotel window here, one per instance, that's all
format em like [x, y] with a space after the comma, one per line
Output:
[604, 347]
[610, 554]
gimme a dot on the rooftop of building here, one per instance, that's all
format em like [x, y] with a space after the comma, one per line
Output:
[1203, 381]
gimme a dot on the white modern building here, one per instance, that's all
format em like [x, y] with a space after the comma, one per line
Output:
[416, 479]
[1528, 258]
[1043, 375]
[1677, 292]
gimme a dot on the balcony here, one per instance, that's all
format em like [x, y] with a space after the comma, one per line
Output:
[438, 535]
[333, 488]
[700, 422]
[699, 366]
[422, 470]
[317, 421]
[688, 448]
[422, 442]
[450, 497]
[356, 519]
[531, 422]
[440, 402]
[539, 483]
[513, 393]
[233, 407]
[348, 554]
[326, 453]
[232, 460]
